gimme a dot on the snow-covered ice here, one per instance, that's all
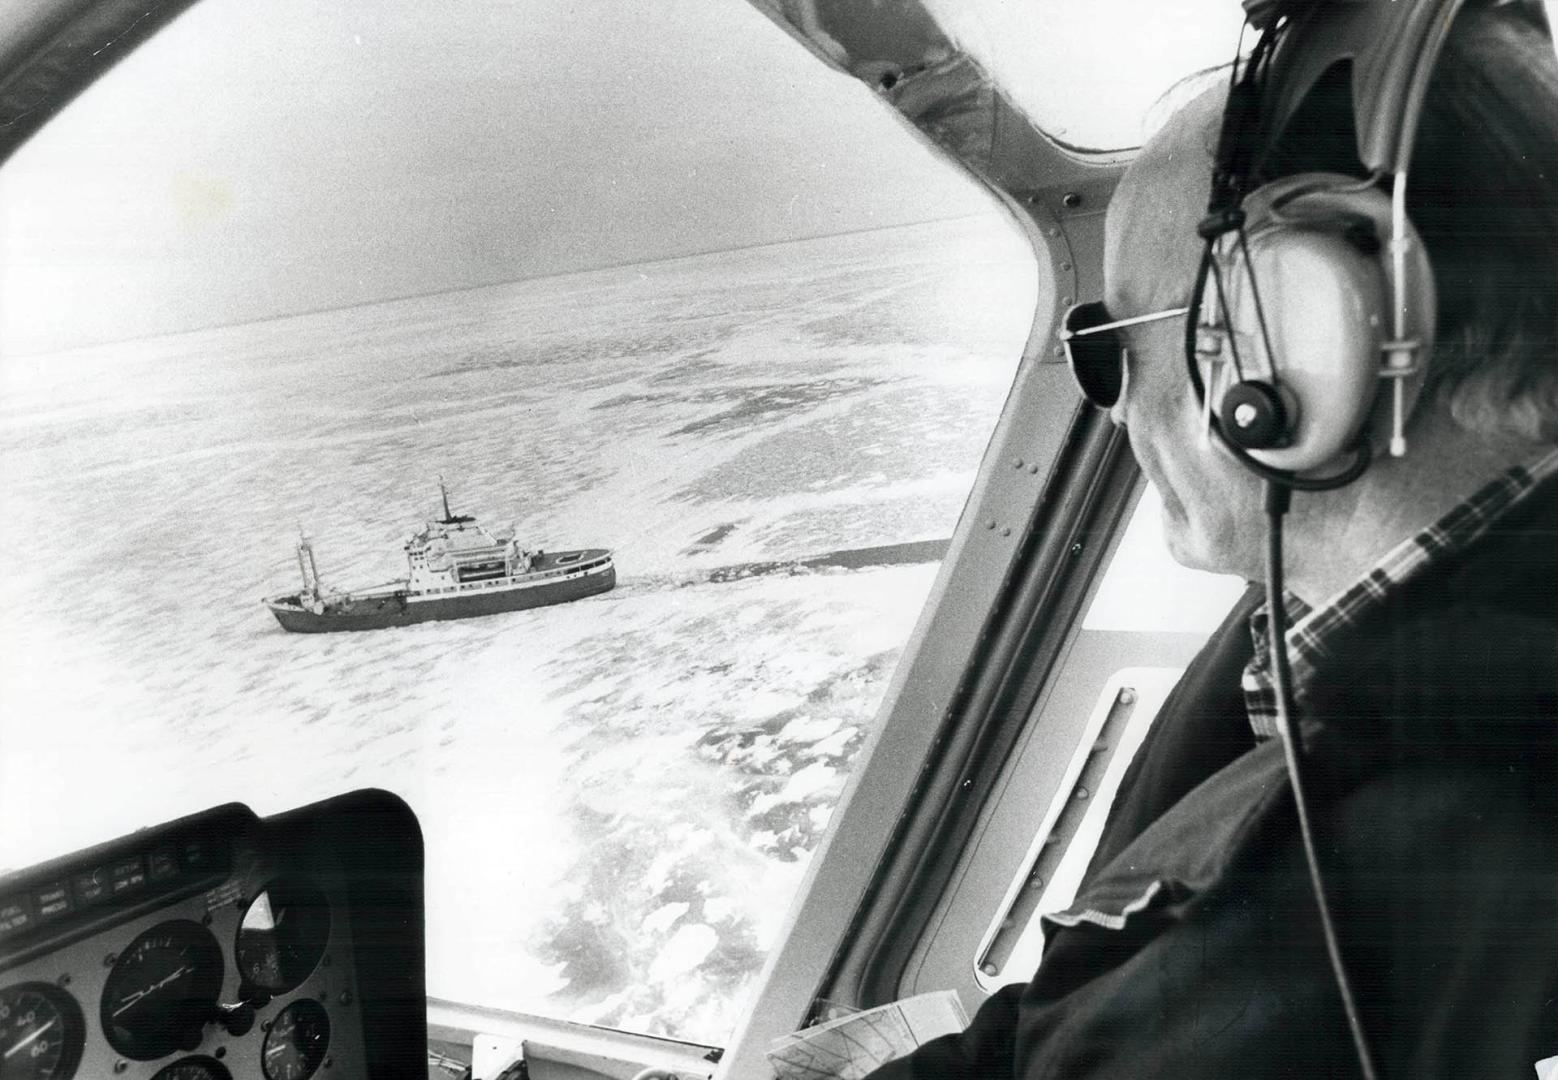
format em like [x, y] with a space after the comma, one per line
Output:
[619, 795]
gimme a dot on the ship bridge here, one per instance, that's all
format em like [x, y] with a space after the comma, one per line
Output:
[460, 551]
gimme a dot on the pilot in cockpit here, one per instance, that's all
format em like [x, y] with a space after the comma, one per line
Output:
[1419, 678]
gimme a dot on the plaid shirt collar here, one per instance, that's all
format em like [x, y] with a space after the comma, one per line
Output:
[1311, 630]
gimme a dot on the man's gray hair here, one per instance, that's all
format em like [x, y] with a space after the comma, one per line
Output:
[1488, 171]
[1483, 193]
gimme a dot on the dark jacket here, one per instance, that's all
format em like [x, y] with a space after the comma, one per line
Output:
[1432, 741]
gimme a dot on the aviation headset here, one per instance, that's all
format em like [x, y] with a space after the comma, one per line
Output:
[1313, 291]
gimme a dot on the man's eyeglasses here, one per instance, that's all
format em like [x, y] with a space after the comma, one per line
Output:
[1096, 351]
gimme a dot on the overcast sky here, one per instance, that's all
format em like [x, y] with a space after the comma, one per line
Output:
[259, 158]
[264, 158]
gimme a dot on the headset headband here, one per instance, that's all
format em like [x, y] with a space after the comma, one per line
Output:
[1393, 46]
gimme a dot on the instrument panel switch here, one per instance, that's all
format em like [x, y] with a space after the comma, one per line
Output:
[236, 1019]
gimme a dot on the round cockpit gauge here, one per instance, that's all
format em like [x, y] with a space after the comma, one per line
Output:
[195, 1068]
[41, 1032]
[297, 1040]
[162, 991]
[282, 935]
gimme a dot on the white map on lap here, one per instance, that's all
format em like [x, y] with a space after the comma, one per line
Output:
[851, 1046]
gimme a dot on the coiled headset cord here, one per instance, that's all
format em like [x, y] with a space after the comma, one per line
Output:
[1278, 498]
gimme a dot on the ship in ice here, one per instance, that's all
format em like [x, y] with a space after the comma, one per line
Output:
[456, 570]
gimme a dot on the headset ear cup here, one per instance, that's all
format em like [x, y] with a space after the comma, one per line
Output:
[1253, 416]
[1320, 264]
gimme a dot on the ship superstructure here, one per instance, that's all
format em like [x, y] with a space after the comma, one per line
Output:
[456, 569]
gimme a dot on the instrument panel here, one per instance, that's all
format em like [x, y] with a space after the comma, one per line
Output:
[219, 947]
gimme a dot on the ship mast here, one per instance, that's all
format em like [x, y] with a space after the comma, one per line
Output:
[450, 517]
[306, 563]
[444, 493]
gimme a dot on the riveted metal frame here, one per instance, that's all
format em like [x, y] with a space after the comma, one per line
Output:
[1050, 492]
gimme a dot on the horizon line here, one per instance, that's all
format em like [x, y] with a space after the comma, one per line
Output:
[452, 290]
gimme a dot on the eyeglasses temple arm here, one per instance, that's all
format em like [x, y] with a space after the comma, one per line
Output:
[1133, 321]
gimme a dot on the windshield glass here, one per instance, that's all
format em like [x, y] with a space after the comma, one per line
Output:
[287, 266]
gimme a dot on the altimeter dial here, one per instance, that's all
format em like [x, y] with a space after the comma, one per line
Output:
[162, 991]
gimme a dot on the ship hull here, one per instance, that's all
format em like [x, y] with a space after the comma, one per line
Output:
[378, 611]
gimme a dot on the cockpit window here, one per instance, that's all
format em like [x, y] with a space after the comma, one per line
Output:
[645, 280]
[1090, 74]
